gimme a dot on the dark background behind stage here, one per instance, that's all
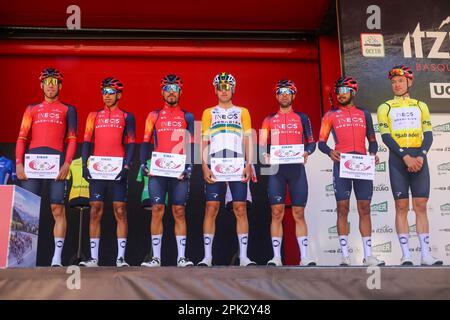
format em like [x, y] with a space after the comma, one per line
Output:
[415, 33]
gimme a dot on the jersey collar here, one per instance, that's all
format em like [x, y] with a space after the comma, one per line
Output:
[285, 113]
[227, 110]
[45, 102]
[351, 108]
[168, 107]
[106, 109]
[402, 98]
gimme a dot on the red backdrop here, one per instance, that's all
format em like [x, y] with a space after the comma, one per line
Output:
[140, 65]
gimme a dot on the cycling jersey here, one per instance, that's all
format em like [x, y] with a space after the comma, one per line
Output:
[80, 187]
[109, 131]
[167, 127]
[350, 127]
[405, 127]
[225, 128]
[49, 124]
[288, 128]
[406, 120]
[7, 170]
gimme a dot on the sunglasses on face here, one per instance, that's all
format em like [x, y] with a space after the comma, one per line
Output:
[285, 91]
[172, 87]
[50, 81]
[223, 86]
[396, 72]
[343, 90]
[107, 90]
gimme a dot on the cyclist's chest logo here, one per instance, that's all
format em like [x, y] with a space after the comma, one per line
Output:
[48, 115]
[281, 126]
[228, 117]
[354, 120]
[109, 121]
[170, 122]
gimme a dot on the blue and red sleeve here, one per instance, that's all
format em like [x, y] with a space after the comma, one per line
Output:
[190, 146]
[72, 130]
[130, 138]
[22, 140]
[370, 133]
[308, 137]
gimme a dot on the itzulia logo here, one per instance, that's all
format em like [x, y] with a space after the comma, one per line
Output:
[103, 167]
[437, 38]
[41, 165]
[356, 166]
[226, 168]
[167, 163]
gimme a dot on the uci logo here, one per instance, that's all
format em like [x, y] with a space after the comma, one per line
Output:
[440, 90]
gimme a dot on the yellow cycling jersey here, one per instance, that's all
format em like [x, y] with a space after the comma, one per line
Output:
[80, 187]
[406, 120]
[225, 128]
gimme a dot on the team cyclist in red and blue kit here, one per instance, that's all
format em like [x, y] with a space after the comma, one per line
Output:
[44, 129]
[287, 127]
[350, 126]
[110, 132]
[172, 130]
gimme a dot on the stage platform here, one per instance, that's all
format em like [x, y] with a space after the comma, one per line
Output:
[260, 282]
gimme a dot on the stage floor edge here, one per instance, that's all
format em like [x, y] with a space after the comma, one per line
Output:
[226, 283]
